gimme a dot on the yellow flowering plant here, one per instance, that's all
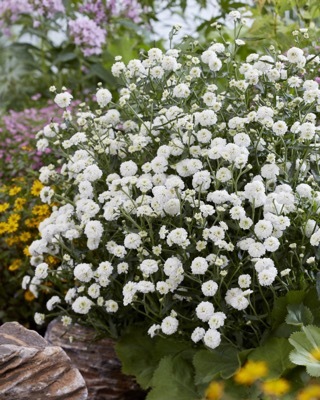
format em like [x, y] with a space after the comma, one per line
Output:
[21, 212]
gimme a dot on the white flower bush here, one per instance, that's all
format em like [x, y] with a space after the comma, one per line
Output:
[191, 202]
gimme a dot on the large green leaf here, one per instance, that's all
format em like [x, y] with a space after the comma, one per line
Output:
[275, 352]
[140, 355]
[136, 354]
[222, 362]
[173, 379]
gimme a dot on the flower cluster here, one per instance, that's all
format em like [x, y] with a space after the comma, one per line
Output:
[194, 200]
[88, 22]
[21, 212]
[87, 35]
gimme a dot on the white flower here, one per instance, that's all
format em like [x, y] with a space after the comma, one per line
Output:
[295, 55]
[145, 287]
[169, 63]
[223, 175]
[129, 290]
[169, 325]
[177, 236]
[237, 213]
[197, 334]
[94, 290]
[128, 168]
[264, 264]
[41, 271]
[172, 266]
[267, 276]
[39, 318]
[199, 266]
[181, 91]
[63, 99]
[244, 281]
[132, 241]
[212, 338]
[172, 207]
[235, 297]
[205, 118]
[315, 239]
[117, 68]
[279, 128]
[83, 272]
[92, 173]
[204, 310]
[245, 223]
[209, 288]
[152, 331]
[270, 171]
[46, 194]
[304, 190]
[217, 320]
[271, 244]
[51, 303]
[148, 267]
[263, 229]
[103, 97]
[111, 306]
[82, 305]
[307, 131]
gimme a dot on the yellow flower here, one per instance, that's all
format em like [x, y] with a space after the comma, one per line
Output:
[250, 372]
[12, 224]
[3, 228]
[12, 240]
[25, 236]
[4, 207]
[214, 391]
[19, 203]
[41, 210]
[14, 218]
[32, 222]
[311, 392]
[14, 190]
[26, 251]
[28, 296]
[276, 387]
[36, 188]
[315, 353]
[16, 264]
[52, 260]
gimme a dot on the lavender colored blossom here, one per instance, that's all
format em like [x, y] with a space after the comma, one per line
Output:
[87, 35]
[48, 8]
[94, 9]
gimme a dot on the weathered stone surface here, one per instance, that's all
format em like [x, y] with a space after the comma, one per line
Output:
[32, 369]
[97, 362]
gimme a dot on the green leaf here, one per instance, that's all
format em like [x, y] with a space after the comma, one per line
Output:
[275, 352]
[222, 362]
[298, 315]
[140, 355]
[136, 354]
[63, 57]
[173, 379]
[102, 73]
[279, 311]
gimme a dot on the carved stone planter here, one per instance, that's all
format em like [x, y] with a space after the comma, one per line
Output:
[97, 362]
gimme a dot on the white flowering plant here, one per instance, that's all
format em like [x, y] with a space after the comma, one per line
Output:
[189, 211]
